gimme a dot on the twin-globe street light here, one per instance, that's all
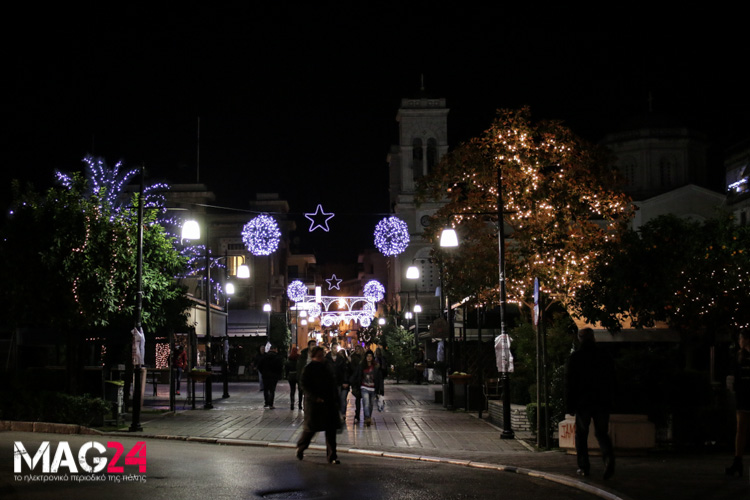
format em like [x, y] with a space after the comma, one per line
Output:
[191, 231]
[448, 239]
[412, 273]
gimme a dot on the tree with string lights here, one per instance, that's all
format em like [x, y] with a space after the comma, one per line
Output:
[561, 207]
[693, 275]
[69, 263]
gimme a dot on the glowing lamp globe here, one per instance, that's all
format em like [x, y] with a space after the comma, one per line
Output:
[191, 230]
[243, 271]
[448, 238]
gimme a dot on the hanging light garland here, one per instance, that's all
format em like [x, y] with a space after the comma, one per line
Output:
[391, 236]
[261, 235]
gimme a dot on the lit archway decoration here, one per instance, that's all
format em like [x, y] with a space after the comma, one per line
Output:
[391, 236]
[334, 310]
[261, 235]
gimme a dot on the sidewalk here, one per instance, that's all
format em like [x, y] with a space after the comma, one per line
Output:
[413, 427]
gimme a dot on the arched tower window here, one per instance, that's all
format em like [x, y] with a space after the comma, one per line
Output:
[417, 154]
[432, 154]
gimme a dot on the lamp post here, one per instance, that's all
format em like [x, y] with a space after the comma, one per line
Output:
[448, 238]
[412, 273]
[191, 230]
[229, 289]
[267, 309]
[135, 424]
[417, 310]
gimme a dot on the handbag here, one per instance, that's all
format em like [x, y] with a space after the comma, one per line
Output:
[381, 402]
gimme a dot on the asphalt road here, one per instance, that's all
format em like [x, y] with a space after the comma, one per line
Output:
[191, 470]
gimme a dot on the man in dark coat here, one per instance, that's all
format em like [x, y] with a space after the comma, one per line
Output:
[304, 358]
[271, 367]
[339, 364]
[321, 405]
[590, 381]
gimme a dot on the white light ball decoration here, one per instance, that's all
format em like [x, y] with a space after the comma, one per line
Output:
[261, 235]
[314, 311]
[374, 291]
[391, 236]
[296, 291]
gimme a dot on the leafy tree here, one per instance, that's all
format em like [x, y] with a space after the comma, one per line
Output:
[69, 265]
[559, 200]
[693, 275]
[78, 258]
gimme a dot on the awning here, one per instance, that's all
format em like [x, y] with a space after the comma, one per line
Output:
[197, 313]
[247, 323]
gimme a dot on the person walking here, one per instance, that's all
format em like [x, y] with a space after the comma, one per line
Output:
[740, 384]
[369, 379]
[256, 365]
[590, 382]
[271, 367]
[291, 377]
[180, 363]
[355, 360]
[339, 365]
[321, 406]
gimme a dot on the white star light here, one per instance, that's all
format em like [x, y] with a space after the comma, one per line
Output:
[319, 214]
[334, 282]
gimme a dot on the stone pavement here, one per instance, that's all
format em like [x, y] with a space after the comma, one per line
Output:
[410, 421]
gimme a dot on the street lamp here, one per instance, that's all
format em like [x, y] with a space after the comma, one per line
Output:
[417, 310]
[229, 290]
[412, 273]
[267, 309]
[191, 230]
[448, 238]
[243, 271]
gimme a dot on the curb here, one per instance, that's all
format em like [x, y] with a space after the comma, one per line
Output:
[7, 425]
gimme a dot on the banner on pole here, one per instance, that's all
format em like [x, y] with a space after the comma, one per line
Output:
[503, 357]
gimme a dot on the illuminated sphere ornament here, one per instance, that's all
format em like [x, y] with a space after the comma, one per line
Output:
[261, 235]
[391, 236]
[296, 291]
[374, 291]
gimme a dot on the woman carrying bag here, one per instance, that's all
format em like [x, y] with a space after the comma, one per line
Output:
[369, 379]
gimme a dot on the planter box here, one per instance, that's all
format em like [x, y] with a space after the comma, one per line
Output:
[628, 432]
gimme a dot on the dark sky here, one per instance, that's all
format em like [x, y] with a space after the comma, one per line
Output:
[302, 99]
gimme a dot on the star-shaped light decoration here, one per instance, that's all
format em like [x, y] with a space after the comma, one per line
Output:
[334, 282]
[319, 214]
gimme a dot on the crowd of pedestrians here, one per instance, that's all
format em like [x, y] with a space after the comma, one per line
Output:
[326, 375]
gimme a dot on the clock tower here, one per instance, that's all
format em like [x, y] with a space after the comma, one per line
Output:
[423, 140]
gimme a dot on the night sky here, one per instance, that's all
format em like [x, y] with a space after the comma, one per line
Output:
[302, 99]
